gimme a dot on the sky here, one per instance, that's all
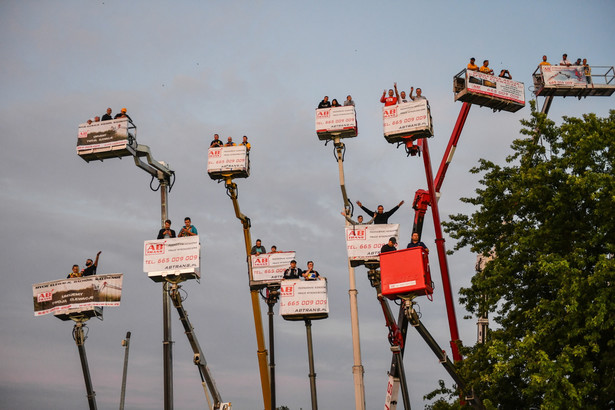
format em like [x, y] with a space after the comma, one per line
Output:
[188, 69]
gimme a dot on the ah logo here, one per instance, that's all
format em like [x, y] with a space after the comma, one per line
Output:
[323, 113]
[83, 134]
[390, 112]
[45, 296]
[155, 249]
[287, 290]
[215, 153]
[260, 261]
[355, 234]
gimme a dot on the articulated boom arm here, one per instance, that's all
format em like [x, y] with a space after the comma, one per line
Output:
[199, 357]
[414, 320]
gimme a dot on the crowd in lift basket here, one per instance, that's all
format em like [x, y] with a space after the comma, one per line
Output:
[216, 142]
[108, 116]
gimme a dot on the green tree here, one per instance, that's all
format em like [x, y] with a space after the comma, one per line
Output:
[549, 217]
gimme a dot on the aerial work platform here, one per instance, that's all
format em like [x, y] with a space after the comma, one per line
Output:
[172, 259]
[488, 91]
[407, 121]
[304, 299]
[562, 81]
[107, 139]
[268, 268]
[363, 242]
[336, 122]
[405, 273]
[81, 297]
[223, 162]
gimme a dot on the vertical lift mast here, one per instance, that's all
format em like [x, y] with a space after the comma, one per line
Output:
[357, 368]
[266, 386]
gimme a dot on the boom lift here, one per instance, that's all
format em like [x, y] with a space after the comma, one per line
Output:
[226, 171]
[471, 88]
[562, 81]
[117, 139]
[79, 299]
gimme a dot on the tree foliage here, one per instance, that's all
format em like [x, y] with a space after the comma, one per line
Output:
[548, 216]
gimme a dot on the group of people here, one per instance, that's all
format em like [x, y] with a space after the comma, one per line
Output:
[187, 230]
[325, 103]
[504, 73]
[216, 142]
[108, 116]
[293, 272]
[89, 270]
[259, 248]
[391, 245]
[395, 97]
[382, 217]
[566, 63]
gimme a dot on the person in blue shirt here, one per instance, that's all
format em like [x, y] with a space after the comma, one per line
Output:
[415, 242]
[188, 230]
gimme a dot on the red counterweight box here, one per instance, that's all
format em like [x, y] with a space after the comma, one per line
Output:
[405, 272]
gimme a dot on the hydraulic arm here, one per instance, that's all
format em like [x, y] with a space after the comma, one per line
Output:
[199, 358]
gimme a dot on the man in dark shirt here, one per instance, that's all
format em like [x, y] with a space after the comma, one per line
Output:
[325, 103]
[293, 272]
[107, 116]
[391, 246]
[166, 232]
[90, 266]
[381, 216]
[216, 142]
[416, 242]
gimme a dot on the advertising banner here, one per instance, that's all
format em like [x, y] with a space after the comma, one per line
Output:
[405, 117]
[171, 254]
[221, 159]
[335, 119]
[77, 293]
[103, 134]
[303, 298]
[270, 267]
[481, 83]
[363, 242]
[561, 75]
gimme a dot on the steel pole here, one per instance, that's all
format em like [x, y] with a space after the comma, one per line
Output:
[80, 341]
[126, 344]
[308, 332]
[271, 352]
[357, 368]
[167, 342]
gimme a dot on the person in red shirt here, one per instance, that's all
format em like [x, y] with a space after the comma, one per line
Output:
[390, 99]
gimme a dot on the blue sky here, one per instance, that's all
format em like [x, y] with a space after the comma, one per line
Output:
[186, 70]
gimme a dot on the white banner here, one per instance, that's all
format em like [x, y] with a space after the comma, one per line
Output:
[363, 242]
[270, 267]
[223, 159]
[335, 119]
[303, 297]
[405, 117]
[562, 75]
[102, 134]
[481, 83]
[172, 254]
[77, 293]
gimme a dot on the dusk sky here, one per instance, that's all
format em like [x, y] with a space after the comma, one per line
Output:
[188, 69]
